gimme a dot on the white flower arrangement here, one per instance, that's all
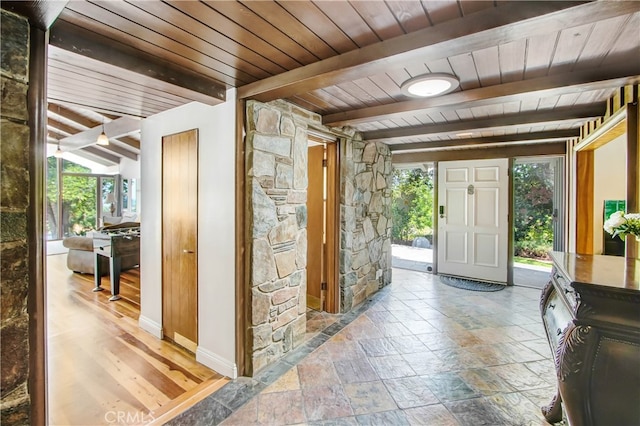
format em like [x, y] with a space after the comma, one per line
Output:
[622, 224]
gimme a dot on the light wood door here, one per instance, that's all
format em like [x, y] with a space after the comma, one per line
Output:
[180, 238]
[472, 219]
[315, 227]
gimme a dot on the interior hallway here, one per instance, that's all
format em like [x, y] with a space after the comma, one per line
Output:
[102, 367]
[417, 353]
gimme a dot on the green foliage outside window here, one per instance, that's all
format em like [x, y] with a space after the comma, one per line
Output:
[78, 199]
[412, 204]
[533, 209]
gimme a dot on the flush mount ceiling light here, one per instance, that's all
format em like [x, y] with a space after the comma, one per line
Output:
[430, 85]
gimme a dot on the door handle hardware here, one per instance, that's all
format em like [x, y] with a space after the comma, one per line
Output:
[559, 332]
[188, 251]
[441, 209]
[552, 306]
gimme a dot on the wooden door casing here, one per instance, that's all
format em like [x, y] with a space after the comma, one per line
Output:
[180, 238]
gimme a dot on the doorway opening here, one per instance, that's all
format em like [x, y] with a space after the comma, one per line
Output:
[322, 226]
[537, 218]
[412, 201]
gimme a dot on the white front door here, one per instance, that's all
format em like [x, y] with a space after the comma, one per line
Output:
[472, 219]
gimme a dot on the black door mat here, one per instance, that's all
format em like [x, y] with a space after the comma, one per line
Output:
[467, 284]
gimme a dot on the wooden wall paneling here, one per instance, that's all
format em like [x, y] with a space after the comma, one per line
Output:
[584, 201]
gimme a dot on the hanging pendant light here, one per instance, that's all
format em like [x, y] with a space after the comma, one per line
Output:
[103, 139]
[58, 153]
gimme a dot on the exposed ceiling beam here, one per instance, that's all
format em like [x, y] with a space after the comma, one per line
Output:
[534, 137]
[127, 60]
[118, 150]
[88, 156]
[98, 153]
[489, 27]
[72, 115]
[555, 148]
[555, 85]
[113, 129]
[501, 122]
[40, 13]
[132, 142]
[62, 127]
[89, 123]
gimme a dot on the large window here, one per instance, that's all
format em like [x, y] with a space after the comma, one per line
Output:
[76, 198]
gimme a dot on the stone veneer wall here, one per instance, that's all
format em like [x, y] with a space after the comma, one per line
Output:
[276, 149]
[14, 202]
[276, 146]
[365, 225]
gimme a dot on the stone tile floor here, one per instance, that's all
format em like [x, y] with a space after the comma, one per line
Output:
[416, 353]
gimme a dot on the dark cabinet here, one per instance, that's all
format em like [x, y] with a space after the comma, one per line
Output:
[591, 314]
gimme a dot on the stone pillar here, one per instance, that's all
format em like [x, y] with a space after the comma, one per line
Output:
[14, 204]
[276, 146]
[365, 225]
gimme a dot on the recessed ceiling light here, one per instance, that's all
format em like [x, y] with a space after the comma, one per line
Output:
[430, 85]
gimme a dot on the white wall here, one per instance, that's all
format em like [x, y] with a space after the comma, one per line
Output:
[129, 169]
[609, 182]
[216, 226]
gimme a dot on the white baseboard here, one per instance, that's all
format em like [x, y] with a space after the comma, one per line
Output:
[217, 363]
[150, 326]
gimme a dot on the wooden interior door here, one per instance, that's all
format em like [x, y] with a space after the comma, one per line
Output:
[315, 227]
[180, 238]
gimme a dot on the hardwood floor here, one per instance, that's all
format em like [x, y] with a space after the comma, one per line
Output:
[104, 369]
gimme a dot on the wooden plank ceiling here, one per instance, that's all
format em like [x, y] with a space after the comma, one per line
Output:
[530, 72]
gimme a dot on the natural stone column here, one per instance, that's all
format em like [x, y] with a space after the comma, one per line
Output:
[276, 144]
[14, 204]
[365, 246]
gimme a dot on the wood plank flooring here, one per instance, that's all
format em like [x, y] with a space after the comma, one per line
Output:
[104, 369]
